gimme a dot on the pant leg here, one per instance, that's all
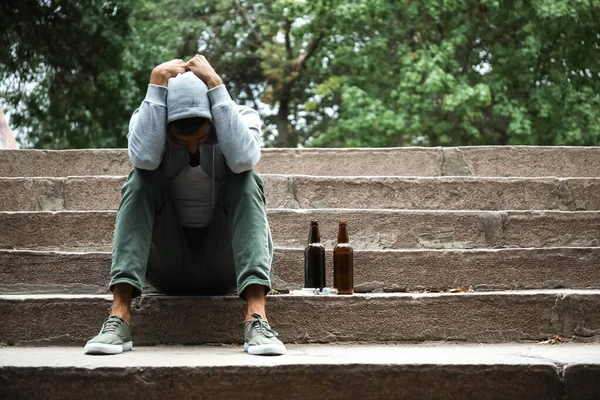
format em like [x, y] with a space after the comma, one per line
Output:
[148, 241]
[238, 249]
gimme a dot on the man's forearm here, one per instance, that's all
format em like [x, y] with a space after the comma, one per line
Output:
[238, 130]
[158, 79]
[213, 81]
[147, 129]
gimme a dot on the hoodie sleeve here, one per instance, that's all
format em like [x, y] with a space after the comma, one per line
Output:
[147, 129]
[238, 130]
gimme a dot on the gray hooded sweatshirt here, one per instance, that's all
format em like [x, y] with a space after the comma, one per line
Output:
[234, 143]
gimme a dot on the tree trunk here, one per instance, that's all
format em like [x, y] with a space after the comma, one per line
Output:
[284, 139]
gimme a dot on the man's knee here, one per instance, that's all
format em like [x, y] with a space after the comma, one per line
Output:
[246, 184]
[142, 183]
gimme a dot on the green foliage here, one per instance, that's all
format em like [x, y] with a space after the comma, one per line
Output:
[321, 72]
[61, 69]
[467, 72]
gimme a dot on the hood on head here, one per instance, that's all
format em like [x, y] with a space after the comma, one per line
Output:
[187, 97]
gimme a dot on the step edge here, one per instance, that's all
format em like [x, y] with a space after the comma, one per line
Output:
[360, 296]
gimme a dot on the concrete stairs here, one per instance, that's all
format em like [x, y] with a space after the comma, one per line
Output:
[495, 245]
[425, 371]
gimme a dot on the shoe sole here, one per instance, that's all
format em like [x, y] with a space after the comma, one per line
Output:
[265, 349]
[103, 348]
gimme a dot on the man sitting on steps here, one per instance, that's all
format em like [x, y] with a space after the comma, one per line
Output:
[192, 219]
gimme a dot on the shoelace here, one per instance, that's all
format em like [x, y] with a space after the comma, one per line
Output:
[258, 325]
[112, 324]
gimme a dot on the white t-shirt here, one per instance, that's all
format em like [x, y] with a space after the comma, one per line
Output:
[192, 194]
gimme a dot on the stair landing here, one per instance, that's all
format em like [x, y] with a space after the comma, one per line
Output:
[424, 371]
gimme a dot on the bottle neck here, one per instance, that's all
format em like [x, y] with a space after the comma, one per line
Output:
[313, 234]
[343, 234]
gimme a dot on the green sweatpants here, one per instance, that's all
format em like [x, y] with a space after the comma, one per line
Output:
[232, 253]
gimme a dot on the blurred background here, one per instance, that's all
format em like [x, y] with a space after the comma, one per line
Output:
[337, 73]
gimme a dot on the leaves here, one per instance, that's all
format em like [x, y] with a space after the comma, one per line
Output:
[554, 339]
[457, 290]
[322, 73]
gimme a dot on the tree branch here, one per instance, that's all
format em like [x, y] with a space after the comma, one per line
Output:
[288, 42]
[242, 11]
[310, 50]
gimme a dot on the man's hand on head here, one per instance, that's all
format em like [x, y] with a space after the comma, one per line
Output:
[161, 74]
[203, 70]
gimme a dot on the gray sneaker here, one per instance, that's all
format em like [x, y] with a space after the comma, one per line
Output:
[260, 339]
[114, 338]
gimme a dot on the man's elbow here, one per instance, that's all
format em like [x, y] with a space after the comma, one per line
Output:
[243, 165]
[240, 167]
[143, 162]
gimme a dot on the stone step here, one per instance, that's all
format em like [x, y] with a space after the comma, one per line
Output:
[369, 229]
[502, 316]
[300, 191]
[411, 161]
[28, 272]
[432, 371]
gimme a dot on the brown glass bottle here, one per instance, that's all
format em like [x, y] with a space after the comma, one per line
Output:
[343, 262]
[314, 259]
